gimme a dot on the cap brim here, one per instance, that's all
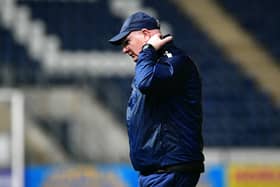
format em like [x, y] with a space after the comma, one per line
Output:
[116, 40]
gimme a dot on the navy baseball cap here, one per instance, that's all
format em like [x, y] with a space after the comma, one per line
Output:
[135, 22]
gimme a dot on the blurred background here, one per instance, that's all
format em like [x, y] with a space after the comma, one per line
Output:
[64, 89]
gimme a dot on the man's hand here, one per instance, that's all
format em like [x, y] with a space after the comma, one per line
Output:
[157, 42]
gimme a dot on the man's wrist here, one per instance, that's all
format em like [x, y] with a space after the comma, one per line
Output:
[148, 46]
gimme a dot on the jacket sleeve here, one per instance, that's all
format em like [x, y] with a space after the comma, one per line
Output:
[150, 74]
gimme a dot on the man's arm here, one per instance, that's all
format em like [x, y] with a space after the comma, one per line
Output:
[150, 73]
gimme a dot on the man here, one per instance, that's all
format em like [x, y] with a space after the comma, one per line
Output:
[164, 113]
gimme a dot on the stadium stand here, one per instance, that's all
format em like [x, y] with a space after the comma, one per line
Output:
[236, 112]
[15, 64]
[80, 25]
[260, 18]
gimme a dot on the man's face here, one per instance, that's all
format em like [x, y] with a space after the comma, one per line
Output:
[132, 44]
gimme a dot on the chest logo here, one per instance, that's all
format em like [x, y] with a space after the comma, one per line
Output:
[168, 54]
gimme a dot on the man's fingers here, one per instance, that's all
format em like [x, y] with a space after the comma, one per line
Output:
[157, 41]
[167, 39]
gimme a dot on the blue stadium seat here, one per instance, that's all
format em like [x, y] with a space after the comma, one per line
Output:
[14, 58]
[260, 18]
[80, 25]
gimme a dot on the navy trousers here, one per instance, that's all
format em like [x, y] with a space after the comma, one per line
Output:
[169, 180]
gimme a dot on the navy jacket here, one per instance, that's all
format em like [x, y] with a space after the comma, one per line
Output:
[164, 113]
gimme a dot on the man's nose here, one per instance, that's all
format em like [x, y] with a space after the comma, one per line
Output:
[124, 49]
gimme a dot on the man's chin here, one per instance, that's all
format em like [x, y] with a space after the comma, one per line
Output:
[135, 59]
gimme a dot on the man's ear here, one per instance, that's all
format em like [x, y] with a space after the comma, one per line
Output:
[146, 33]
